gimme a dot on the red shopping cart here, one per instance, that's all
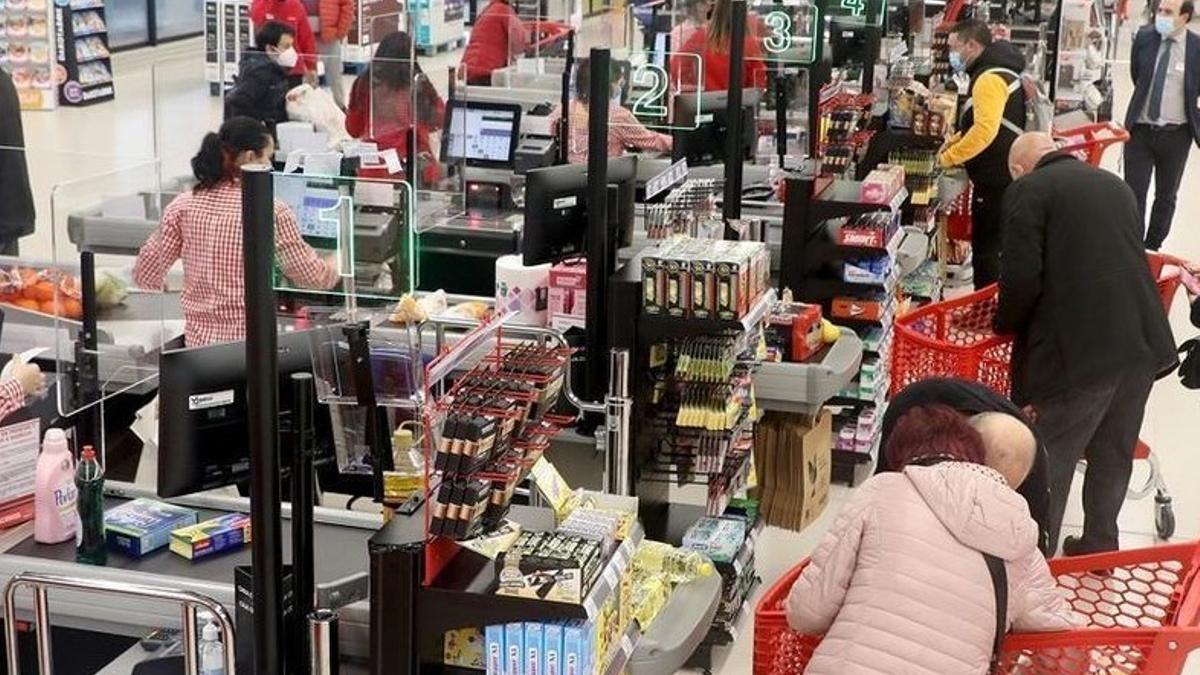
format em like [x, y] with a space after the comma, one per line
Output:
[1142, 619]
[1088, 143]
[955, 339]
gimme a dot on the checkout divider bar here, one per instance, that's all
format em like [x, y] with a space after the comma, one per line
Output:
[42, 583]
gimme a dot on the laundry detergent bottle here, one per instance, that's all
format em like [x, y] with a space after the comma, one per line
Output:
[54, 496]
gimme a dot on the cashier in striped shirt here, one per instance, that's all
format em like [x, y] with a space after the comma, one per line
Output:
[203, 228]
[24, 380]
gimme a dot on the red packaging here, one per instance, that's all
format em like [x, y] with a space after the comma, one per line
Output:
[568, 286]
[858, 308]
[16, 511]
[806, 333]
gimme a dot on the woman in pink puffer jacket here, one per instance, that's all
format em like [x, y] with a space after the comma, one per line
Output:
[899, 586]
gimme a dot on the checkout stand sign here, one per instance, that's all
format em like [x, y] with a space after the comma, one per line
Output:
[785, 30]
[362, 223]
[653, 88]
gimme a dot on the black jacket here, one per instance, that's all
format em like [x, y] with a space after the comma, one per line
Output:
[17, 214]
[1142, 60]
[990, 167]
[1075, 286]
[972, 398]
[260, 91]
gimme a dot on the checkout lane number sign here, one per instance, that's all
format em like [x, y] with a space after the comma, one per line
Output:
[657, 80]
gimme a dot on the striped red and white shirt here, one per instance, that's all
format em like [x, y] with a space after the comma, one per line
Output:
[204, 230]
[12, 398]
[624, 131]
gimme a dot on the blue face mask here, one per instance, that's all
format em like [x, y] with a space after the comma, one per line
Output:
[957, 64]
[1165, 25]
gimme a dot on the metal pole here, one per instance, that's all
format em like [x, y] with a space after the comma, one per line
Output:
[302, 516]
[323, 642]
[564, 123]
[732, 208]
[262, 381]
[41, 613]
[620, 417]
[87, 366]
[190, 645]
[781, 111]
[597, 240]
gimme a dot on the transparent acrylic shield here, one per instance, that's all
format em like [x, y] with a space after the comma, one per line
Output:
[856, 12]
[400, 126]
[347, 239]
[186, 106]
[785, 32]
[111, 214]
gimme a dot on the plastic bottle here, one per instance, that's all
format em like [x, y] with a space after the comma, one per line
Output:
[54, 492]
[677, 565]
[212, 651]
[89, 480]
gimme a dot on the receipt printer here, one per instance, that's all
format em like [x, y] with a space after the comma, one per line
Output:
[535, 152]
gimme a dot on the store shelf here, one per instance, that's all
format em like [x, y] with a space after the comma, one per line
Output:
[610, 579]
[679, 629]
[805, 387]
[622, 650]
[840, 200]
[657, 327]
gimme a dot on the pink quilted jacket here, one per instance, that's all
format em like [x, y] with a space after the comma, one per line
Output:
[899, 587]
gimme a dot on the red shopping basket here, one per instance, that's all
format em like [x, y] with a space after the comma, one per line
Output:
[954, 338]
[1089, 142]
[1141, 612]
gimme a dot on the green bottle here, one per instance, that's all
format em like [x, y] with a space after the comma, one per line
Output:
[89, 536]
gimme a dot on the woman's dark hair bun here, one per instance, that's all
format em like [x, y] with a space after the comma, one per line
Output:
[214, 163]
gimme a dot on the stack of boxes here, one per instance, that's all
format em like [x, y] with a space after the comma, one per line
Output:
[568, 294]
[704, 279]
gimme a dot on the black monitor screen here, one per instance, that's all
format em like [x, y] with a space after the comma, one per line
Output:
[483, 134]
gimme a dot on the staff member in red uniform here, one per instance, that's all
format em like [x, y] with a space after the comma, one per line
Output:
[203, 228]
[712, 46]
[497, 39]
[291, 13]
[381, 104]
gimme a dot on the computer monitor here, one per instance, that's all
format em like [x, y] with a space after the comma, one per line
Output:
[556, 209]
[705, 143]
[482, 134]
[203, 423]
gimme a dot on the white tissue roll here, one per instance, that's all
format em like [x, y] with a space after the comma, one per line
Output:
[529, 285]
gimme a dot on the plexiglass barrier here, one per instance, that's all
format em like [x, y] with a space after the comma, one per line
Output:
[107, 215]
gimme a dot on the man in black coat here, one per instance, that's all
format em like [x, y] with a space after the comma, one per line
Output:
[1091, 332]
[262, 82]
[972, 398]
[17, 214]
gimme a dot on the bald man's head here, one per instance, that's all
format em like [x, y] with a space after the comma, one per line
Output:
[1009, 445]
[1027, 151]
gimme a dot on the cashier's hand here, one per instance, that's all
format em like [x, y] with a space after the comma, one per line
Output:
[31, 378]
[310, 78]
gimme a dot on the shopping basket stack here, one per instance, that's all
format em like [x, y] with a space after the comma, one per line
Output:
[1140, 607]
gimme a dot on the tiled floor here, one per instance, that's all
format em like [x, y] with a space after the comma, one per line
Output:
[93, 150]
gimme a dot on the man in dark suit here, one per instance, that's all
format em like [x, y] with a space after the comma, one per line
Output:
[1091, 332]
[17, 214]
[1164, 113]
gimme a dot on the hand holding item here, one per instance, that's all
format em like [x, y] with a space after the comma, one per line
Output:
[310, 78]
[31, 378]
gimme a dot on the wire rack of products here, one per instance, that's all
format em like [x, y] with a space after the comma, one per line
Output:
[83, 53]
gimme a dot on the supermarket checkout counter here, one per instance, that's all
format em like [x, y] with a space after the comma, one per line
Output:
[341, 540]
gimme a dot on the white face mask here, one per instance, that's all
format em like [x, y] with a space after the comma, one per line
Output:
[287, 58]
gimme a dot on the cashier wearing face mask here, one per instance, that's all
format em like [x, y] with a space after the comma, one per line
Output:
[625, 132]
[991, 119]
[262, 84]
[1164, 113]
[202, 228]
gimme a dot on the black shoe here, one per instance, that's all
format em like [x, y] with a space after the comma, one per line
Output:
[1076, 546]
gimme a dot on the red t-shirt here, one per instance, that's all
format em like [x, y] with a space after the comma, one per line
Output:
[496, 39]
[292, 13]
[716, 65]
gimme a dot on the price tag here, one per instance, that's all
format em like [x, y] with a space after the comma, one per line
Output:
[611, 576]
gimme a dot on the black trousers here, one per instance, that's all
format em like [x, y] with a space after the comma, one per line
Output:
[1163, 153]
[986, 233]
[1099, 423]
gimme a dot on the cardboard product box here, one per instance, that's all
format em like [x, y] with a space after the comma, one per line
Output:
[144, 525]
[568, 280]
[514, 648]
[870, 309]
[494, 649]
[552, 649]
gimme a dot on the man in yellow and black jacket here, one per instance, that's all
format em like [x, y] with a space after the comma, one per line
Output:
[991, 119]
